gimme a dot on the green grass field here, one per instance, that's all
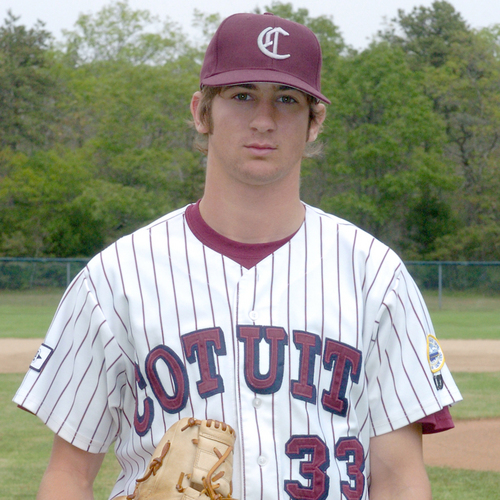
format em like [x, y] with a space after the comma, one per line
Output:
[463, 316]
[25, 445]
[28, 314]
[481, 393]
[25, 442]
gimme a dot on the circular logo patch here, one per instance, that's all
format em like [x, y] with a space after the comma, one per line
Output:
[435, 354]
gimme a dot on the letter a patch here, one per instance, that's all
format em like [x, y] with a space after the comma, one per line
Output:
[41, 358]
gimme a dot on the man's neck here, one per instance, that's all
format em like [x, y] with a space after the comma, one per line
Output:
[256, 215]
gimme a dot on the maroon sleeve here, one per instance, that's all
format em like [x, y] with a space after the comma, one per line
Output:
[437, 422]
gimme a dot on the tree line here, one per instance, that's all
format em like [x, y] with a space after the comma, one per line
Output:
[95, 140]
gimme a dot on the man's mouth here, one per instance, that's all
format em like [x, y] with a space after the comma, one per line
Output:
[260, 148]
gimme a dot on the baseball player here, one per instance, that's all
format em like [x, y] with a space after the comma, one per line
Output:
[299, 330]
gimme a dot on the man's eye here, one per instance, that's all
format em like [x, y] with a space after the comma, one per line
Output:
[287, 99]
[242, 96]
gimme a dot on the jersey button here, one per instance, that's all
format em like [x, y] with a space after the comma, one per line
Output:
[262, 461]
[257, 403]
[253, 315]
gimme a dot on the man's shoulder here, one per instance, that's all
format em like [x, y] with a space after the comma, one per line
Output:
[143, 236]
[341, 226]
[318, 213]
[171, 216]
[350, 237]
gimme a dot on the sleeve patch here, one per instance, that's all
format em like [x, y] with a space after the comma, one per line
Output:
[435, 354]
[41, 358]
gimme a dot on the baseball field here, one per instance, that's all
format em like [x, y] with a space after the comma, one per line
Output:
[463, 464]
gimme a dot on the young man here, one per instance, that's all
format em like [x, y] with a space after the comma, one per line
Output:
[301, 331]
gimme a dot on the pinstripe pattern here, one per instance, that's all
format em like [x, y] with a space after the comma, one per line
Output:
[119, 359]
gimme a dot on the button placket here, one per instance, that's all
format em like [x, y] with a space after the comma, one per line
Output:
[257, 403]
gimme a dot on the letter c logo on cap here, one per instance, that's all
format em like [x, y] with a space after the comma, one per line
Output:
[269, 38]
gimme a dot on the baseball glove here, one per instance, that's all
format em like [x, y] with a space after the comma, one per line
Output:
[193, 461]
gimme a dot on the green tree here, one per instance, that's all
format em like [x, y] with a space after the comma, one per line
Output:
[428, 34]
[127, 119]
[35, 201]
[118, 33]
[461, 70]
[130, 122]
[27, 87]
[95, 142]
[382, 148]
[124, 155]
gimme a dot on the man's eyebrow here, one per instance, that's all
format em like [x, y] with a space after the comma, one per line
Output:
[252, 86]
[249, 86]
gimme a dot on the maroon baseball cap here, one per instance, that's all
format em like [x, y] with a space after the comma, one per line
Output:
[263, 48]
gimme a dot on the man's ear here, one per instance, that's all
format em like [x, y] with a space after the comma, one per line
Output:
[316, 124]
[200, 126]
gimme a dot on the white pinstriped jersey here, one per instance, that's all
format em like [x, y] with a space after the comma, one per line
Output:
[308, 354]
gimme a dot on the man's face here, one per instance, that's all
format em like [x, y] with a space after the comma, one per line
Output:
[259, 132]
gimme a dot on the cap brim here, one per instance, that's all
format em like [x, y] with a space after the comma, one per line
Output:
[261, 75]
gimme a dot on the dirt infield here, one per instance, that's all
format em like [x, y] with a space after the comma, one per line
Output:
[472, 355]
[17, 354]
[473, 445]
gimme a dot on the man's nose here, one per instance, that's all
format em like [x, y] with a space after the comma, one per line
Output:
[264, 118]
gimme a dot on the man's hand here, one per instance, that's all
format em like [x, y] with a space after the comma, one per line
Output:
[70, 474]
[397, 466]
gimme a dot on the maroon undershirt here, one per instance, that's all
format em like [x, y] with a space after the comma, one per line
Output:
[246, 254]
[250, 254]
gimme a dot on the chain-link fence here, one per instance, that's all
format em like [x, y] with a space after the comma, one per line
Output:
[481, 278]
[25, 273]
[476, 277]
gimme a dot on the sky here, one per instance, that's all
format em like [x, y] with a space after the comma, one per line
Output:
[358, 20]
